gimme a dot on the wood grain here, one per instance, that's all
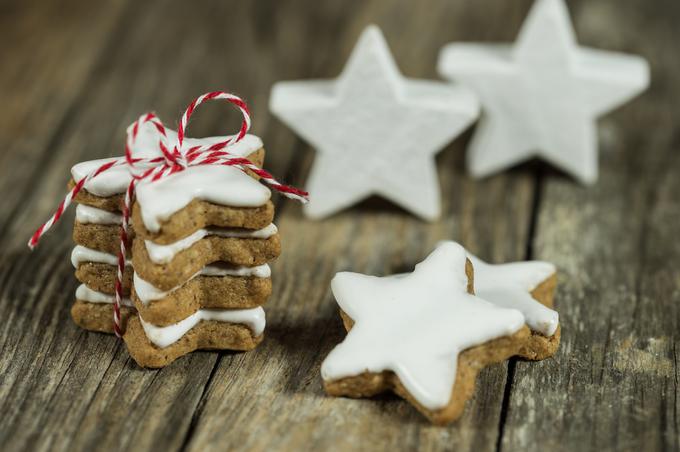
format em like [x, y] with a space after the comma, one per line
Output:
[92, 68]
[613, 384]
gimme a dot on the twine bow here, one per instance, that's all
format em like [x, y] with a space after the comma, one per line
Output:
[173, 160]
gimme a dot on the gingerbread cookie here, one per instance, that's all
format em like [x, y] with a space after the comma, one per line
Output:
[215, 286]
[423, 335]
[98, 270]
[107, 189]
[153, 346]
[528, 287]
[100, 237]
[168, 266]
[93, 310]
[203, 238]
[198, 215]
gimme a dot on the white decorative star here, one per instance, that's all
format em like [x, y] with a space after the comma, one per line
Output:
[375, 131]
[415, 325]
[542, 96]
[510, 285]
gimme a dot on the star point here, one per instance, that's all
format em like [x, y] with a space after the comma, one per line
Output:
[510, 285]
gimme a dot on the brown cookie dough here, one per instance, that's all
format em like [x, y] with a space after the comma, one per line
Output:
[100, 237]
[102, 277]
[237, 251]
[211, 292]
[200, 214]
[207, 335]
[539, 346]
[470, 362]
[115, 203]
[99, 316]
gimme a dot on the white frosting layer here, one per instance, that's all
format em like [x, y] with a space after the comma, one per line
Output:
[162, 254]
[115, 180]
[218, 184]
[510, 286]
[92, 215]
[82, 254]
[146, 292]
[84, 293]
[163, 336]
[415, 325]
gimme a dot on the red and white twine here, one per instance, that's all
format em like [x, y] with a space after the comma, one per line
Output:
[173, 160]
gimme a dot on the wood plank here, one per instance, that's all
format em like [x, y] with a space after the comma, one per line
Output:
[613, 384]
[118, 406]
[274, 400]
[39, 88]
[40, 83]
[613, 388]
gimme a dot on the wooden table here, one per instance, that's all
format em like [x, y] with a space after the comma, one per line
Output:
[75, 73]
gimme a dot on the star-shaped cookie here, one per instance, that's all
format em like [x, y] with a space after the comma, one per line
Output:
[422, 335]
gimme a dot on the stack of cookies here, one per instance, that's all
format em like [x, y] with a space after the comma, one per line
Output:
[197, 275]
[203, 239]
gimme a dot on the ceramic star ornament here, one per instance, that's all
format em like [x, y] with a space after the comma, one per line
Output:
[375, 131]
[422, 334]
[541, 97]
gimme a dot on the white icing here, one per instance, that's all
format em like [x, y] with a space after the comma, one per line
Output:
[509, 286]
[82, 254]
[115, 180]
[163, 336]
[415, 325]
[84, 293]
[218, 184]
[87, 214]
[146, 292]
[222, 269]
[162, 254]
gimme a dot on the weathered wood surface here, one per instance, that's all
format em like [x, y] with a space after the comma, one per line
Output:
[75, 73]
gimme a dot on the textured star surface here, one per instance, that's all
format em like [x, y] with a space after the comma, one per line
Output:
[541, 96]
[375, 131]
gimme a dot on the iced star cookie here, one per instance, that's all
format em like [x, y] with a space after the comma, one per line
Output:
[206, 329]
[167, 266]
[93, 310]
[423, 335]
[528, 287]
[203, 238]
[98, 229]
[106, 190]
[215, 286]
[98, 270]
